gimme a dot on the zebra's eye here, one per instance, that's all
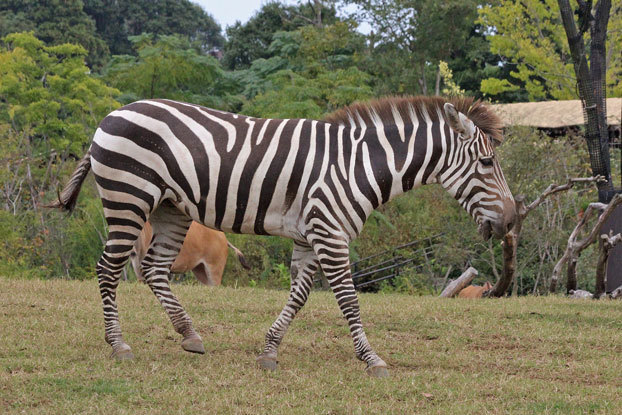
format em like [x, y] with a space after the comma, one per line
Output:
[486, 161]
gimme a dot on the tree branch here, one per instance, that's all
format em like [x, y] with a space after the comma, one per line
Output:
[552, 189]
[511, 239]
[574, 248]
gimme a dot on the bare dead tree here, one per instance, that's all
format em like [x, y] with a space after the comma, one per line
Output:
[575, 246]
[606, 243]
[510, 240]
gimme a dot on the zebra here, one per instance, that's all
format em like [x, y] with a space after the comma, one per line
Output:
[314, 181]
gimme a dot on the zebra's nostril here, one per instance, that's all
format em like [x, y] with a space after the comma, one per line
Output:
[509, 226]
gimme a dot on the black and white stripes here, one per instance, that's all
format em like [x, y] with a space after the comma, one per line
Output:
[313, 181]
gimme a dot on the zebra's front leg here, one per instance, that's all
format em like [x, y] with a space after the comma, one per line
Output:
[303, 268]
[335, 262]
[169, 230]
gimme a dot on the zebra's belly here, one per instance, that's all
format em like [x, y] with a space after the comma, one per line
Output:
[249, 220]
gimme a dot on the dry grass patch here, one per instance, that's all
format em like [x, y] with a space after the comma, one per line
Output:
[530, 355]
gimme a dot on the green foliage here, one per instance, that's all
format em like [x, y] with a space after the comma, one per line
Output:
[291, 95]
[494, 86]
[268, 256]
[312, 73]
[451, 88]
[117, 20]
[41, 244]
[251, 41]
[530, 36]
[410, 37]
[47, 92]
[49, 105]
[55, 22]
[409, 282]
[170, 67]
[474, 62]
[49, 108]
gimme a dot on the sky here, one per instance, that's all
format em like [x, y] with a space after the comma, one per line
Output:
[226, 12]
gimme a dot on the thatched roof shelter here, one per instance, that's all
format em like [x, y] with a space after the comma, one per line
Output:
[553, 114]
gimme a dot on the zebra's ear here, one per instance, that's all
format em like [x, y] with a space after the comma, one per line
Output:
[459, 122]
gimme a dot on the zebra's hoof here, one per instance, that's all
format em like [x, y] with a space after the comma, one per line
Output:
[267, 362]
[122, 352]
[379, 371]
[193, 345]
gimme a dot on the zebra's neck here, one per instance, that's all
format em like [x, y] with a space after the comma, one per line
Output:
[388, 160]
[401, 157]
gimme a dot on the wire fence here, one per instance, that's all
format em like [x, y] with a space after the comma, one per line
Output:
[369, 272]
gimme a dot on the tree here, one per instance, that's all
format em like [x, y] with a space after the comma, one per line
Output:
[474, 62]
[251, 41]
[292, 95]
[169, 67]
[49, 108]
[410, 37]
[116, 21]
[54, 22]
[529, 37]
[313, 72]
[591, 81]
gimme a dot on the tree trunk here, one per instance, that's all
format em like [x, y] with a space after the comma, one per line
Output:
[606, 243]
[493, 261]
[422, 81]
[318, 13]
[510, 245]
[574, 247]
[601, 268]
[591, 83]
[571, 274]
[511, 239]
[437, 86]
[459, 283]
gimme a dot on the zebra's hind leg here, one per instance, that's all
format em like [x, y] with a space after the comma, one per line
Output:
[169, 230]
[303, 267]
[116, 253]
[335, 262]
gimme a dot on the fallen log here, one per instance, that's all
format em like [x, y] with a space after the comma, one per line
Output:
[454, 287]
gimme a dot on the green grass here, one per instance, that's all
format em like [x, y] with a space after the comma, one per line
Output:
[546, 355]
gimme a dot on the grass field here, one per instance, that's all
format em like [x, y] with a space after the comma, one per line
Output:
[544, 355]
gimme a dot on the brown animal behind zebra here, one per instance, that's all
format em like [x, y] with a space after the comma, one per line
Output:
[475, 291]
[204, 252]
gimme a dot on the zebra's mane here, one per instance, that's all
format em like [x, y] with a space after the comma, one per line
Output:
[361, 112]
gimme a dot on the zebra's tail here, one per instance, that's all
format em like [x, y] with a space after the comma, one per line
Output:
[240, 255]
[68, 197]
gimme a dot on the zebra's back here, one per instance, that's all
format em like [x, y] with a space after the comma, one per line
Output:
[230, 172]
